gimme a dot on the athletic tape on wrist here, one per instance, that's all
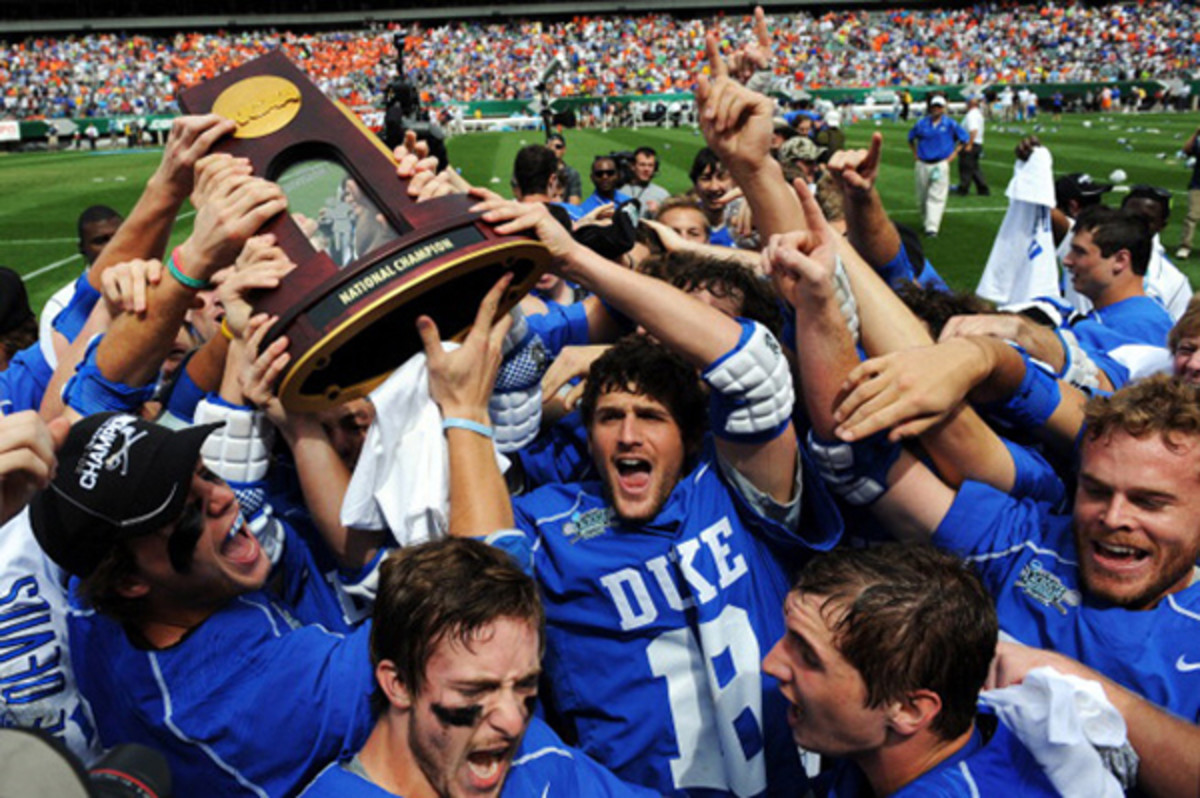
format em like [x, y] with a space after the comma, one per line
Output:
[857, 472]
[752, 395]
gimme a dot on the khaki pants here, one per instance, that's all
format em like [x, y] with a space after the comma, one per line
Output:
[933, 185]
[1193, 218]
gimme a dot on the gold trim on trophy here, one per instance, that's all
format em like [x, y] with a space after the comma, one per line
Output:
[289, 390]
[259, 106]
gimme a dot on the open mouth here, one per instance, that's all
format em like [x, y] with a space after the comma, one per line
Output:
[487, 767]
[1118, 557]
[633, 473]
[239, 545]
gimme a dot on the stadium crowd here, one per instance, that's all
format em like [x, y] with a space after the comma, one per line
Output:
[740, 500]
[104, 74]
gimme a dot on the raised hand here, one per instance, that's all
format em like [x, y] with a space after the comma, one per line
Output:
[461, 381]
[261, 265]
[754, 56]
[124, 285]
[511, 216]
[262, 367]
[802, 264]
[190, 139]
[855, 171]
[736, 122]
[27, 461]
[234, 207]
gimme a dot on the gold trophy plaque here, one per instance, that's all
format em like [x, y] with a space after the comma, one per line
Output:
[369, 259]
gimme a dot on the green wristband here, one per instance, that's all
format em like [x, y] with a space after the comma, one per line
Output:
[185, 280]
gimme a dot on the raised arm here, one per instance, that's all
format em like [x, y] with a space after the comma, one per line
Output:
[236, 206]
[461, 383]
[700, 334]
[907, 497]
[144, 233]
[868, 227]
[737, 124]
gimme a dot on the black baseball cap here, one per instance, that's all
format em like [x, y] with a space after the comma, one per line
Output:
[1079, 185]
[119, 477]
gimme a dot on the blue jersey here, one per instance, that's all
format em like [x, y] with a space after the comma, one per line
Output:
[900, 270]
[1026, 556]
[24, 382]
[656, 632]
[995, 764]
[936, 140]
[253, 702]
[544, 767]
[558, 454]
[721, 237]
[593, 202]
[1117, 337]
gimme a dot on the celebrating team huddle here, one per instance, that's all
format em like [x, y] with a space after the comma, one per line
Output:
[729, 505]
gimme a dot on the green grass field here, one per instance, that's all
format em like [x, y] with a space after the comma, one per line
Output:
[41, 194]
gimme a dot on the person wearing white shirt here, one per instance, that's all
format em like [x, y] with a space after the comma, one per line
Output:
[968, 160]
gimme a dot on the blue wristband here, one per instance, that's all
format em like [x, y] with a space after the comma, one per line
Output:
[473, 426]
[1034, 401]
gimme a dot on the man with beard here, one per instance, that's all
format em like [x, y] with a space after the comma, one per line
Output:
[1113, 582]
[663, 579]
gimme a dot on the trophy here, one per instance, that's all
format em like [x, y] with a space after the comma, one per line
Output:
[369, 259]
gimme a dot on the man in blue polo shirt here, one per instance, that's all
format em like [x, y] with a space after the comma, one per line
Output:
[935, 141]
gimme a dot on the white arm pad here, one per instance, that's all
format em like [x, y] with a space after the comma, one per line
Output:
[1079, 369]
[755, 384]
[240, 450]
[845, 299]
[516, 417]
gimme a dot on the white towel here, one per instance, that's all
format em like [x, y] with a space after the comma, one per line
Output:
[402, 480]
[1062, 720]
[1022, 265]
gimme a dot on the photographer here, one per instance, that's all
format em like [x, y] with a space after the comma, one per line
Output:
[402, 112]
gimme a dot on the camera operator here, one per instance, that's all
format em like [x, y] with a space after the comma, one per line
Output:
[403, 112]
[640, 183]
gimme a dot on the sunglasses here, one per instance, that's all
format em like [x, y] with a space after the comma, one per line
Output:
[604, 172]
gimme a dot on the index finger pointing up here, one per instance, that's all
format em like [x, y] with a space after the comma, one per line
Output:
[715, 63]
